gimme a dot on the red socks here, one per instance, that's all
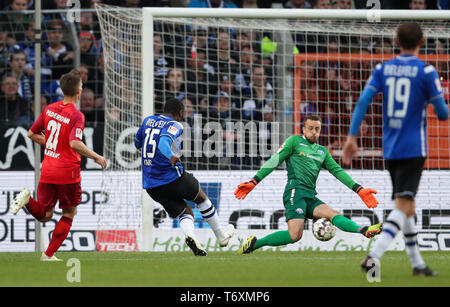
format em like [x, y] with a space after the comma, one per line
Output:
[60, 233]
[37, 211]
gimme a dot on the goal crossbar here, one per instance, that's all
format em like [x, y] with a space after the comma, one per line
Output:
[298, 13]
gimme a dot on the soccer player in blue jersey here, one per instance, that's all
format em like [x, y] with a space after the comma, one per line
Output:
[165, 179]
[408, 86]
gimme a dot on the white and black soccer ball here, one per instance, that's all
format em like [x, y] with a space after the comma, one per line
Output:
[323, 230]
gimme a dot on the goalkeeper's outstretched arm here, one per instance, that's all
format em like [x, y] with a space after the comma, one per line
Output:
[336, 170]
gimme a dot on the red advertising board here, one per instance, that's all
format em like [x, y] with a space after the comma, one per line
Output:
[116, 240]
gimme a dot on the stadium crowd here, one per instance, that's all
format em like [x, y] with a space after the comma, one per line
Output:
[225, 75]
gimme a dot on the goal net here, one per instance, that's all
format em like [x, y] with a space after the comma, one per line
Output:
[246, 84]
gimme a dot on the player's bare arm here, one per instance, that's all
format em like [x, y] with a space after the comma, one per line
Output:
[350, 149]
[83, 150]
[37, 137]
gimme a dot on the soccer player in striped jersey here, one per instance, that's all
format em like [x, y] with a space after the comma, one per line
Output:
[166, 181]
[304, 160]
[408, 86]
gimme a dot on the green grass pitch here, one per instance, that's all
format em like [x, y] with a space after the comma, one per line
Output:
[218, 269]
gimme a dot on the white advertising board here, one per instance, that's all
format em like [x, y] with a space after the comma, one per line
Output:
[259, 214]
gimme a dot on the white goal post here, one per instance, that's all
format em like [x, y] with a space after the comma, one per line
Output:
[129, 33]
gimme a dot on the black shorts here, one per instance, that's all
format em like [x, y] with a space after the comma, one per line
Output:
[405, 175]
[172, 195]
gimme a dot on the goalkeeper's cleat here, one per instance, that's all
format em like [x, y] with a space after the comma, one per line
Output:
[46, 258]
[248, 246]
[229, 232]
[426, 271]
[371, 231]
[20, 201]
[195, 246]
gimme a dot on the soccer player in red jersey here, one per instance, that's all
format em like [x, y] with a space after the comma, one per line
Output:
[59, 129]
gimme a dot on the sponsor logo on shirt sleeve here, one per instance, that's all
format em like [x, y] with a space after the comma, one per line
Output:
[172, 130]
[79, 133]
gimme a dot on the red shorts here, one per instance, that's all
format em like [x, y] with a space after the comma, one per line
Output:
[68, 195]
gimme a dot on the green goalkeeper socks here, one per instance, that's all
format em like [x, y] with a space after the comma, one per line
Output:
[283, 237]
[345, 224]
[274, 239]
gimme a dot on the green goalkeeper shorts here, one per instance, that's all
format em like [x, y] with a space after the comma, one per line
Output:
[300, 204]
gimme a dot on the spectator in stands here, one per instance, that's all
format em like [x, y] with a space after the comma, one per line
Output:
[17, 62]
[385, 46]
[297, 4]
[44, 103]
[262, 90]
[15, 23]
[175, 80]
[241, 41]
[57, 5]
[162, 63]
[220, 58]
[198, 40]
[13, 109]
[87, 21]
[417, 4]
[247, 59]
[222, 110]
[212, 4]
[200, 78]
[5, 48]
[62, 55]
[87, 106]
[28, 47]
[175, 87]
[226, 84]
[99, 76]
[189, 110]
[310, 100]
[344, 4]
[86, 77]
[89, 48]
[257, 104]
[321, 4]
[54, 92]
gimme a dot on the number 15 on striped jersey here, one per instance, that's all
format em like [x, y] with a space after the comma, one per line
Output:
[150, 140]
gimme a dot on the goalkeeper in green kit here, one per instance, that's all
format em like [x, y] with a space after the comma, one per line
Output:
[304, 160]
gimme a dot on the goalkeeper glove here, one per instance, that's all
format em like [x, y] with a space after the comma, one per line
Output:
[367, 197]
[244, 188]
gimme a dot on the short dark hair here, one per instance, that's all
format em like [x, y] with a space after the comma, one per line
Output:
[409, 35]
[70, 82]
[16, 52]
[173, 106]
[312, 117]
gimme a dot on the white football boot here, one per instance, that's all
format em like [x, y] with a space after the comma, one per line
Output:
[20, 201]
[45, 258]
[229, 232]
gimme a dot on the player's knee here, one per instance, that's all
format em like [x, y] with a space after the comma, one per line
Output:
[70, 213]
[333, 213]
[48, 216]
[296, 236]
